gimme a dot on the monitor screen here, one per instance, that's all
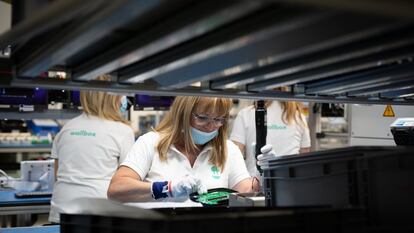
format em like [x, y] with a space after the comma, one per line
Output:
[23, 96]
[332, 110]
[146, 102]
[75, 98]
[58, 96]
[41, 171]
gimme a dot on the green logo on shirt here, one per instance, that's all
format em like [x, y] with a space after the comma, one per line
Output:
[276, 127]
[216, 172]
[83, 133]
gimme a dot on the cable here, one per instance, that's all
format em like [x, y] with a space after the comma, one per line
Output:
[6, 182]
[9, 180]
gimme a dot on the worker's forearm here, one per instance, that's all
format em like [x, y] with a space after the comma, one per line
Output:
[247, 185]
[127, 189]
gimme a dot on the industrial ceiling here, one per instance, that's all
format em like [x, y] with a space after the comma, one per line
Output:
[324, 51]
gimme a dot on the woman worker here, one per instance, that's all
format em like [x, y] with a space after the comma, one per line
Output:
[188, 152]
[287, 131]
[89, 149]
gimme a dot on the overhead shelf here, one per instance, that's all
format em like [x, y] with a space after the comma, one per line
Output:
[25, 148]
[325, 51]
[39, 114]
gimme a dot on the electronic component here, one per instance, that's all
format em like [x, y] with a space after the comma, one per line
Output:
[213, 197]
[41, 171]
[23, 99]
[403, 131]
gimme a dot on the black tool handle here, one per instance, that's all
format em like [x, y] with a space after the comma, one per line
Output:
[261, 128]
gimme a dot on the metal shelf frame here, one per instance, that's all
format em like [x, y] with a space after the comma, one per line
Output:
[325, 51]
[40, 114]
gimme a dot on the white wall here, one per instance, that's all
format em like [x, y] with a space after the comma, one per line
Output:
[370, 127]
[5, 16]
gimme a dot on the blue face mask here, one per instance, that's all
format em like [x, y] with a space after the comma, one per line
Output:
[200, 137]
[124, 104]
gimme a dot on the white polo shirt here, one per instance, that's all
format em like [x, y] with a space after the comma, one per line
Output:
[89, 151]
[286, 139]
[144, 159]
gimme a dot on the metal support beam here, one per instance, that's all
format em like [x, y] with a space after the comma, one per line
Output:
[339, 68]
[314, 122]
[110, 16]
[40, 114]
[57, 13]
[201, 18]
[346, 83]
[385, 87]
[267, 49]
[345, 47]
[404, 93]
[195, 91]
[398, 8]
[246, 40]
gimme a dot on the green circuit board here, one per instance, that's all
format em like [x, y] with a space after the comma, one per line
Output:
[213, 198]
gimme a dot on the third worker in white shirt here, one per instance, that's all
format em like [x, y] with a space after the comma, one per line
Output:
[287, 131]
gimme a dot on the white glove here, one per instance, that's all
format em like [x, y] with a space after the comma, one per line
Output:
[177, 188]
[187, 185]
[267, 154]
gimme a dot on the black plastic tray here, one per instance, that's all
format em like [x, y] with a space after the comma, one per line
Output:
[379, 179]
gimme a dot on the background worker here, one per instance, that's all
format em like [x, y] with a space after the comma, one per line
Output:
[89, 149]
[287, 131]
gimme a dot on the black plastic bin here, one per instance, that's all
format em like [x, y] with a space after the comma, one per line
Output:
[229, 220]
[380, 179]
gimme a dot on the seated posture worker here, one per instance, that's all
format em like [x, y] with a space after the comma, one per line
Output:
[188, 152]
[89, 149]
[287, 131]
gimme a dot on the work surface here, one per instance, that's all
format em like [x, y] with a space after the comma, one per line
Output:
[7, 198]
[11, 205]
[40, 229]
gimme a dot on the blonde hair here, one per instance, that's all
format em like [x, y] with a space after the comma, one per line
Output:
[292, 111]
[175, 127]
[101, 104]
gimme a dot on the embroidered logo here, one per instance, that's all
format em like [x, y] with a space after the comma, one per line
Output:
[276, 127]
[83, 133]
[215, 172]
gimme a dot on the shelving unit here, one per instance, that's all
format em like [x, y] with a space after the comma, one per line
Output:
[326, 51]
[25, 149]
[43, 114]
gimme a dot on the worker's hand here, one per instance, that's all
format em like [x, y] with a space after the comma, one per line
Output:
[186, 185]
[177, 188]
[267, 154]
